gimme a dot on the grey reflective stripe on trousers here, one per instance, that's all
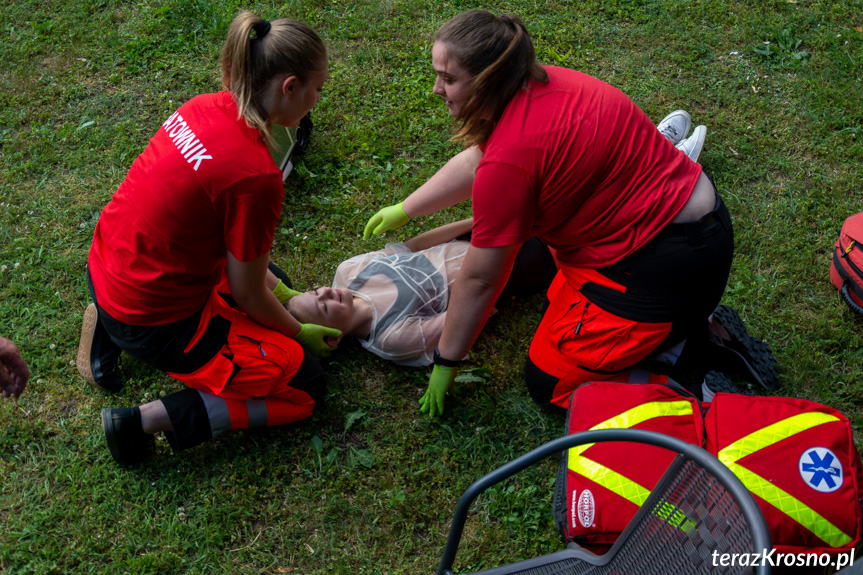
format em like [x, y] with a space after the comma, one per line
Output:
[220, 418]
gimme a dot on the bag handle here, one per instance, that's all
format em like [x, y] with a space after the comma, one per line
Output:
[846, 295]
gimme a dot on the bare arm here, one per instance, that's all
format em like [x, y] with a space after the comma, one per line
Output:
[439, 235]
[248, 281]
[477, 286]
[448, 186]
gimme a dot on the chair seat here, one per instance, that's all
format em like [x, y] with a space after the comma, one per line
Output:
[564, 562]
[697, 511]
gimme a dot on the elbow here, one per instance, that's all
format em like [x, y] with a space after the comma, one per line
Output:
[481, 286]
[245, 298]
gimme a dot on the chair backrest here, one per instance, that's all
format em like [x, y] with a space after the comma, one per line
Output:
[698, 519]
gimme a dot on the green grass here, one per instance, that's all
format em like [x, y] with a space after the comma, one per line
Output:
[368, 485]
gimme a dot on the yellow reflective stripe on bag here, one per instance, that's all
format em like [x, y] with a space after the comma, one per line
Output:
[791, 506]
[636, 415]
[611, 480]
[773, 433]
[785, 502]
[608, 478]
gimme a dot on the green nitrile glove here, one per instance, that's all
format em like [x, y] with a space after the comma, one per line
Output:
[440, 382]
[388, 218]
[314, 337]
[283, 293]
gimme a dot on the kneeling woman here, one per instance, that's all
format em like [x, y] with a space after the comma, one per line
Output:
[643, 240]
[190, 230]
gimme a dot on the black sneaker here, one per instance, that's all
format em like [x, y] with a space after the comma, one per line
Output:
[742, 354]
[304, 135]
[717, 382]
[97, 354]
[127, 442]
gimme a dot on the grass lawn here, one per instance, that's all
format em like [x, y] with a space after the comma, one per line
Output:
[367, 485]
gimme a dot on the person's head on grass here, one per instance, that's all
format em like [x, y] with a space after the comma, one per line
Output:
[481, 61]
[336, 308]
[274, 70]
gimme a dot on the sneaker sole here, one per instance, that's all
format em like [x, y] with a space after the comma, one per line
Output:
[85, 348]
[695, 153]
[757, 364]
[697, 143]
[88, 330]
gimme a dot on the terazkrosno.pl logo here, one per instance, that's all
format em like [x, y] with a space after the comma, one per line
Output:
[821, 469]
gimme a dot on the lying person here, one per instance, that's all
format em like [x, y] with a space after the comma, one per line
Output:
[395, 300]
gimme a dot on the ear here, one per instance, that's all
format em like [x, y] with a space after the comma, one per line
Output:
[288, 86]
[333, 341]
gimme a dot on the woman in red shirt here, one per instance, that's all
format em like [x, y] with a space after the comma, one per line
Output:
[178, 268]
[642, 239]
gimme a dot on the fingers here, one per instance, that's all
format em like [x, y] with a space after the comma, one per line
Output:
[324, 351]
[372, 225]
[431, 404]
[16, 390]
[11, 384]
[14, 372]
[439, 405]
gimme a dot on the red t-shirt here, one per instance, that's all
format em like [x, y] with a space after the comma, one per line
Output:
[577, 163]
[204, 186]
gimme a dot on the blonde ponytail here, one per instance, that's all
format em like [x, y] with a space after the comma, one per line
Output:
[257, 51]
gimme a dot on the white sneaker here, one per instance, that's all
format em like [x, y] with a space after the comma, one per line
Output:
[692, 145]
[675, 126]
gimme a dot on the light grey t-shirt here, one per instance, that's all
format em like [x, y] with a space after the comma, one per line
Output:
[408, 293]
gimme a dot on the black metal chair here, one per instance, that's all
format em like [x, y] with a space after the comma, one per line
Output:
[721, 517]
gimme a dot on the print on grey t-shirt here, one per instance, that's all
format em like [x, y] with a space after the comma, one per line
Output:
[422, 289]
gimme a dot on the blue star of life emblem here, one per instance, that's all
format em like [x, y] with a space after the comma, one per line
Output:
[821, 469]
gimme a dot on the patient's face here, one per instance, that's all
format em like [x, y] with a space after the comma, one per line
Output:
[324, 306]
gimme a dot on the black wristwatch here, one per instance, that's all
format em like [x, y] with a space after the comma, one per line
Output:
[443, 362]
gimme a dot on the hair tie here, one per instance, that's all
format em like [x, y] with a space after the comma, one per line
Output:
[261, 29]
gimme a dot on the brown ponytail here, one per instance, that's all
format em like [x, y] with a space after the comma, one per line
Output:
[499, 54]
[257, 51]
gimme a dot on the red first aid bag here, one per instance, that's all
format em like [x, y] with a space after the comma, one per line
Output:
[798, 459]
[599, 487]
[846, 269]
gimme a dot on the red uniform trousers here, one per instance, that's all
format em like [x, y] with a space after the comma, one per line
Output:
[601, 324]
[260, 377]
[577, 341]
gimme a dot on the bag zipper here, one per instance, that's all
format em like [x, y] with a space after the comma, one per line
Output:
[847, 251]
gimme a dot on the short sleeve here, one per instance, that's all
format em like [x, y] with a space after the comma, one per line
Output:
[252, 207]
[504, 206]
